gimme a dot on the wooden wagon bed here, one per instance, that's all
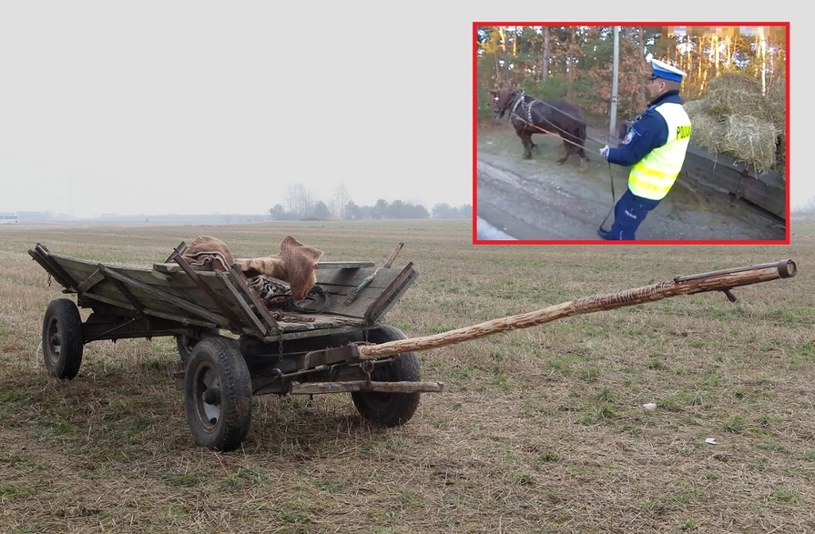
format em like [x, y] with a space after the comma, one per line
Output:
[172, 298]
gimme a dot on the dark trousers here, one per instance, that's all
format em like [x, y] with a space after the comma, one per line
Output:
[629, 212]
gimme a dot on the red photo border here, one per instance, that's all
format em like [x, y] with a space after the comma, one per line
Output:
[476, 241]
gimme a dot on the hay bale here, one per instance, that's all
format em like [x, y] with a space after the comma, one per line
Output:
[735, 82]
[707, 131]
[734, 93]
[695, 107]
[775, 105]
[750, 140]
[735, 119]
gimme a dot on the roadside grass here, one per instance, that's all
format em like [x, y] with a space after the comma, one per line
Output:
[538, 430]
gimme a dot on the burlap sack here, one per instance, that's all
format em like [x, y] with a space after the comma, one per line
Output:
[296, 264]
[207, 251]
[301, 263]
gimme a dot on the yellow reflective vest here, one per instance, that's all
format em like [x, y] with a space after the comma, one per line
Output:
[654, 175]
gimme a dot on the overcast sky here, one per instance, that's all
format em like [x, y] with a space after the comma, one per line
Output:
[198, 107]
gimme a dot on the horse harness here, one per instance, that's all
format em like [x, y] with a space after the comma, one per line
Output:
[519, 100]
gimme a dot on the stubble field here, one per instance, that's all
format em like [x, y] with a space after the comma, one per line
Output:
[538, 430]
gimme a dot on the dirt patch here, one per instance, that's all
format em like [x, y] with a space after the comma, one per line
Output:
[537, 199]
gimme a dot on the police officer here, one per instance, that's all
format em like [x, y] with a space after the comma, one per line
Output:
[655, 148]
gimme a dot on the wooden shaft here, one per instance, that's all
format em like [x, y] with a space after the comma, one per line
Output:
[712, 281]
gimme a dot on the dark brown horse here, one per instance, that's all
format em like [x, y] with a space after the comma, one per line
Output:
[532, 116]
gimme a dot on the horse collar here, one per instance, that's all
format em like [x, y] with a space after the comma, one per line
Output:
[519, 97]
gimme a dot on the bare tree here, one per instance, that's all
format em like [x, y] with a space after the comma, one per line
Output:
[340, 200]
[299, 200]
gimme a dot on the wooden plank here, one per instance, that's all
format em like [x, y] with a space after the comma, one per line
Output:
[344, 264]
[49, 262]
[96, 277]
[317, 332]
[262, 329]
[237, 278]
[324, 265]
[364, 303]
[771, 178]
[220, 303]
[317, 388]
[724, 176]
[148, 311]
[344, 278]
[391, 295]
[169, 298]
[118, 302]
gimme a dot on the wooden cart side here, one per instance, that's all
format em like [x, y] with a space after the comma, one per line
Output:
[723, 175]
[135, 292]
[372, 302]
[338, 279]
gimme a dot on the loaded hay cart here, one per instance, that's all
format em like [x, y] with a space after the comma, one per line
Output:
[233, 346]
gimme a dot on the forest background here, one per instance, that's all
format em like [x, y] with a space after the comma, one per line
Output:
[575, 62]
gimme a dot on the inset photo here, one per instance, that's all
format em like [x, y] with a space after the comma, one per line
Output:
[609, 134]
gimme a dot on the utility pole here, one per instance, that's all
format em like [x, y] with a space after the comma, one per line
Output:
[612, 123]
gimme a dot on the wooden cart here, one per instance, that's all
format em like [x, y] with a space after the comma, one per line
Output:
[233, 346]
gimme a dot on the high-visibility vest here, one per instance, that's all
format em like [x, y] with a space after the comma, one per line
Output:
[654, 175]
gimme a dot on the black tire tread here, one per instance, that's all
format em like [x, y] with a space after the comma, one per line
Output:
[69, 322]
[236, 394]
[390, 409]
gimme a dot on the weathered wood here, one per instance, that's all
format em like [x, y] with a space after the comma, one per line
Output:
[723, 175]
[248, 313]
[387, 298]
[239, 279]
[46, 260]
[168, 298]
[369, 303]
[344, 265]
[96, 277]
[317, 388]
[323, 265]
[682, 285]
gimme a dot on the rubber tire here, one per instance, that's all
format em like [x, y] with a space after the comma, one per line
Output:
[216, 367]
[62, 343]
[390, 409]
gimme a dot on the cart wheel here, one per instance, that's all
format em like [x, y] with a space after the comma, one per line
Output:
[185, 345]
[218, 395]
[62, 342]
[390, 409]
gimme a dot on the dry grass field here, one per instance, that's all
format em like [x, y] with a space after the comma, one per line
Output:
[538, 430]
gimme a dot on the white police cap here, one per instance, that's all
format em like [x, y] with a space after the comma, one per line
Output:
[660, 69]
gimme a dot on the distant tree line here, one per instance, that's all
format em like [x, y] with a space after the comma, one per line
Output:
[808, 208]
[301, 204]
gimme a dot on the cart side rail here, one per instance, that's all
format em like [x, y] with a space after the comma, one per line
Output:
[139, 292]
